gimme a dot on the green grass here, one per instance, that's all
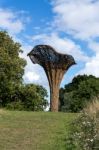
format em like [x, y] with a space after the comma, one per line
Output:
[20, 130]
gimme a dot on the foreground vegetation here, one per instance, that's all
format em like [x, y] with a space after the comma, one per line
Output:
[84, 132]
[20, 130]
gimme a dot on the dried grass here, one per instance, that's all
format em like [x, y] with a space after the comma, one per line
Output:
[2, 111]
[92, 108]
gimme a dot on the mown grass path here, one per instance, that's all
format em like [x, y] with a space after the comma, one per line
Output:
[20, 130]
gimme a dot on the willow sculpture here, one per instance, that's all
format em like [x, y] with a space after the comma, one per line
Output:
[55, 65]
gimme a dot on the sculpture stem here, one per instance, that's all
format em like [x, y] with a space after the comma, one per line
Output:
[55, 78]
[54, 97]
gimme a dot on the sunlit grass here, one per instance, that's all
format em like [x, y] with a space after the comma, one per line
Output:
[20, 130]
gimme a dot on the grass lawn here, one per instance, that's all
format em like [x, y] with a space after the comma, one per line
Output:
[20, 130]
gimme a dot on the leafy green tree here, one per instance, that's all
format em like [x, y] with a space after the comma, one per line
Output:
[11, 67]
[34, 97]
[29, 97]
[75, 95]
[13, 93]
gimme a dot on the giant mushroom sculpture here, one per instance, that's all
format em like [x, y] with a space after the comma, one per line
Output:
[55, 65]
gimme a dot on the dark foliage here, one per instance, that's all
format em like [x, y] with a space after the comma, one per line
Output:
[75, 95]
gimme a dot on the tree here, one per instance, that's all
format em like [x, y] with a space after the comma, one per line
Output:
[34, 97]
[29, 97]
[13, 93]
[11, 67]
[75, 95]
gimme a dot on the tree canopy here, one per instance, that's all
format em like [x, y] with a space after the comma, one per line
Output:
[11, 67]
[75, 95]
[13, 93]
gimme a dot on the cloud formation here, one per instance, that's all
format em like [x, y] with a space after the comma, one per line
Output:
[31, 76]
[10, 21]
[80, 18]
[91, 67]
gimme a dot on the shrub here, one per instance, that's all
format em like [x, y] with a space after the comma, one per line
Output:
[15, 106]
[84, 134]
[29, 97]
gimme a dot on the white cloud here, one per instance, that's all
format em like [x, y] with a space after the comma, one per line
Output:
[80, 18]
[92, 67]
[63, 45]
[94, 46]
[31, 76]
[10, 21]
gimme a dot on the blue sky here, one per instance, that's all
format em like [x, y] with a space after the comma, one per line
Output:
[69, 26]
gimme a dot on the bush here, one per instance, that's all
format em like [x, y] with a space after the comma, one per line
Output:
[34, 97]
[15, 106]
[29, 97]
[84, 134]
